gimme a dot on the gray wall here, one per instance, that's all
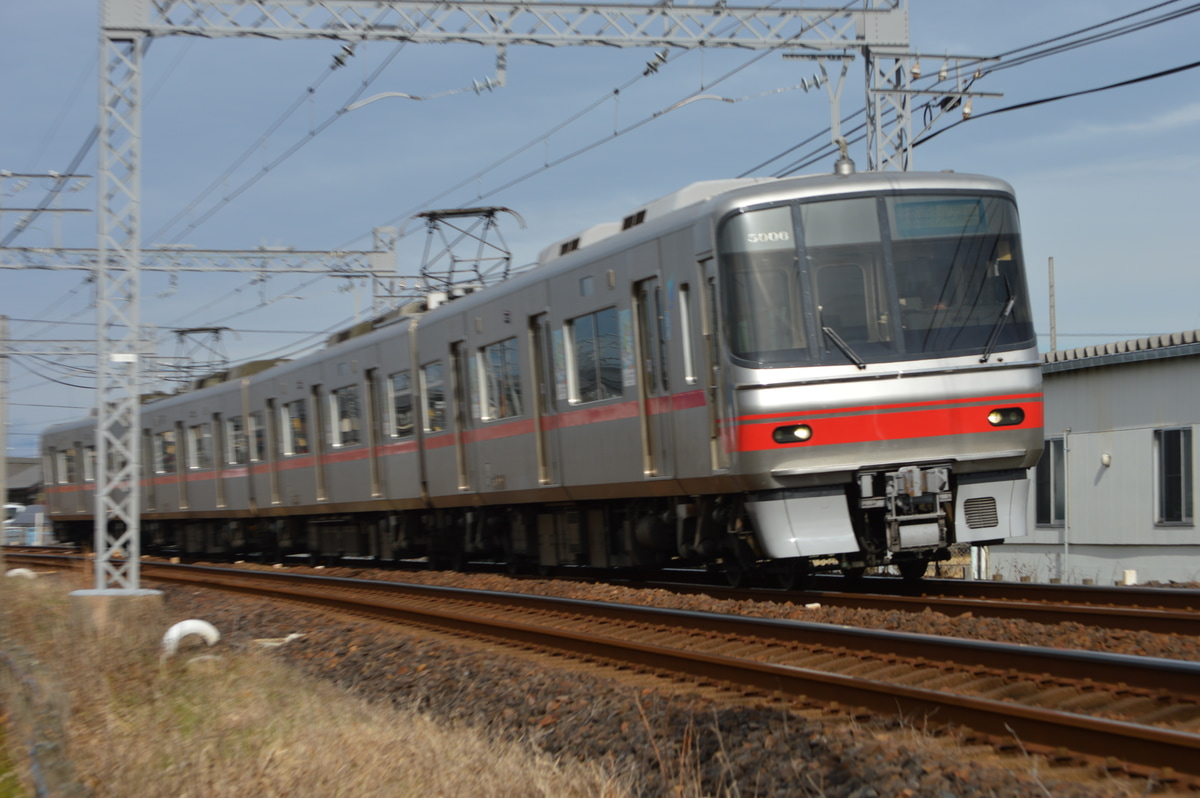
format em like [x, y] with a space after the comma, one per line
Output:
[1114, 409]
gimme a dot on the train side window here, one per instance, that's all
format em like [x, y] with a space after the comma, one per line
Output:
[294, 424]
[501, 380]
[401, 403]
[685, 333]
[434, 384]
[200, 446]
[164, 452]
[61, 470]
[595, 344]
[235, 435]
[258, 434]
[345, 415]
[89, 463]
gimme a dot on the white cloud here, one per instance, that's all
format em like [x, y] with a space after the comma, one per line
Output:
[1164, 123]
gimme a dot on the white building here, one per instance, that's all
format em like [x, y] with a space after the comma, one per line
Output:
[1114, 491]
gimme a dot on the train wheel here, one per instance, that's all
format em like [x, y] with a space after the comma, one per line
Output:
[736, 574]
[854, 574]
[791, 575]
[912, 570]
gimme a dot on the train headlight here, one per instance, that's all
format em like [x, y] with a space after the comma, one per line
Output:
[1006, 416]
[793, 433]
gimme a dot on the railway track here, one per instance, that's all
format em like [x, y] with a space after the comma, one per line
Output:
[1140, 609]
[1157, 610]
[1137, 714]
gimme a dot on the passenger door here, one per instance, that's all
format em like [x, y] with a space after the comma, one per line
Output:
[654, 398]
[542, 361]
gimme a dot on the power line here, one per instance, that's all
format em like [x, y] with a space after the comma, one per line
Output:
[608, 96]
[60, 407]
[826, 149]
[52, 379]
[1156, 75]
[296, 105]
[1094, 39]
[93, 324]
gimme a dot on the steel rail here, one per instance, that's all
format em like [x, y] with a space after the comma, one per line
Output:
[1164, 598]
[1155, 610]
[1145, 610]
[1143, 619]
[1179, 677]
[461, 610]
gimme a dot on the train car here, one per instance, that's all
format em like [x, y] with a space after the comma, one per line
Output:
[758, 375]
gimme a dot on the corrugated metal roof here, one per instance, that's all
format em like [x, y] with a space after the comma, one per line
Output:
[1156, 347]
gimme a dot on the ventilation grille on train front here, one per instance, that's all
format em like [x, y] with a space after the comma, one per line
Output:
[981, 513]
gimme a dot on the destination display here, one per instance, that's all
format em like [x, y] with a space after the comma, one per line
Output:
[939, 217]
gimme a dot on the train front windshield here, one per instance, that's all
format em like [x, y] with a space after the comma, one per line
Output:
[874, 279]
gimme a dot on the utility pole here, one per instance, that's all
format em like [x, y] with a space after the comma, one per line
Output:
[1053, 320]
[4, 411]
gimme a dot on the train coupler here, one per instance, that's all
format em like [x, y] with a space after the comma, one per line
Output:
[914, 501]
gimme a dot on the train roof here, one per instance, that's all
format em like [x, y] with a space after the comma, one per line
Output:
[725, 195]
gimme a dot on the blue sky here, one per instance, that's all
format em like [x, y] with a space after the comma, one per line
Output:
[1106, 181]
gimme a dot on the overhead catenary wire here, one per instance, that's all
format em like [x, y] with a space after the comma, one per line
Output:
[1059, 47]
[799, 163]
[1094, 39]
[18, 362]
[1031, 103]
[606, 97]
[231, 329]
[267, 168]
[478, 175]
[824, 151]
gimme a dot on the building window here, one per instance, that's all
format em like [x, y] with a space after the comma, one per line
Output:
[501, 380]
[1173, 477]
[346, 417]
[295, 428]
[1051, 485]
[164, 452]
[200, 448]
[435, 397]
[595, 350]
[400, 388]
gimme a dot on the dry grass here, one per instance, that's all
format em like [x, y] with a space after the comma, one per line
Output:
[244, 724]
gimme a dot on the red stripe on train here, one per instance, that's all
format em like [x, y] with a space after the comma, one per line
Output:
[886, 425]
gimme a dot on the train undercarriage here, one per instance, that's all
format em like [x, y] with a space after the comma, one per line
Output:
[902, 519]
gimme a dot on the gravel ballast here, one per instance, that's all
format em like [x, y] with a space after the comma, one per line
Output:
[667, 741]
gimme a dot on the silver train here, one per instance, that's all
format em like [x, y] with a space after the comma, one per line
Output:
[759, 375]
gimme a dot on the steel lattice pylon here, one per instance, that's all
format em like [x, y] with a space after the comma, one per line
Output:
[125, 24]
[118, 347]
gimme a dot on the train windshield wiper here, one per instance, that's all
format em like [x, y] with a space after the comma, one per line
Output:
[1004, 314]
[842, 345]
